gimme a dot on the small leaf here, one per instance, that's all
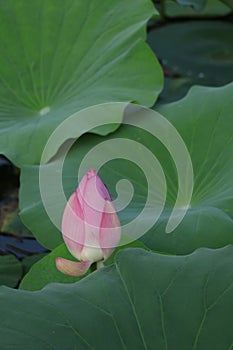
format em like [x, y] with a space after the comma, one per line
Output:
[44, 271]
[10, 270]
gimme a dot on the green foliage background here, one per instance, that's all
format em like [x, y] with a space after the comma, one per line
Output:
[164, 291]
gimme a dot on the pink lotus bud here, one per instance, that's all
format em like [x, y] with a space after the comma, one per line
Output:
[90, 225]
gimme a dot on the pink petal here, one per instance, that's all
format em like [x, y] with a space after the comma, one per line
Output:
[74, 248]
[72, 268]
[110, 232]
[90, 225]
[92, 194]
[73, 230]
[102, 189]
[78, 234]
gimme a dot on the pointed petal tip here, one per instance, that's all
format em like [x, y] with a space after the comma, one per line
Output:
[91, 173]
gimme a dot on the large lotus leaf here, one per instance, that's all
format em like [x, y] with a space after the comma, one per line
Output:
[204, 50]
[60, 56]
[144, 301]
[204, 120]
[10, 270]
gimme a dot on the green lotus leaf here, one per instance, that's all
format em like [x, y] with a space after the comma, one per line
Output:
[204, 121]
[144, 301]
[58, 57]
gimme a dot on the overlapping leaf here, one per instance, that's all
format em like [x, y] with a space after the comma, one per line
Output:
[45, 271]
[204, 120]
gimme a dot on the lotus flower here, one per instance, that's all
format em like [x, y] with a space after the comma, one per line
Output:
[90, 226]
